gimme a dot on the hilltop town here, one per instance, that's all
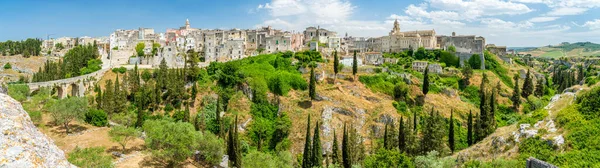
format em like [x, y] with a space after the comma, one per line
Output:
[214, 45]
[264, 97]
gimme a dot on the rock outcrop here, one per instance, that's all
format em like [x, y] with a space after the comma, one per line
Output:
[21, 143]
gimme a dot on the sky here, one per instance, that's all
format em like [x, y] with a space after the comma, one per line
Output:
[513, 23]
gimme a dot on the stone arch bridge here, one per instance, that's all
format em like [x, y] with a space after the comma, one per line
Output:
[77, 85]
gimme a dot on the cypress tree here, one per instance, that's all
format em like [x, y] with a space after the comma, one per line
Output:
[346, 154]
[306, 156]
[426, 81]
[401, 136]
[470, 129]
[515, 98]
[335, 157]
[312, 92]
[218, 117]
[186, 116]
[451, 132]
[99, 98]
[230, 145]
[492, 114]
[120, 97]
[336, 64]
[415, 121]
[236, 145]
[527, 85]
[539, 88]
[477, 132]
[108, 100]
[317, 155]
[354, 65]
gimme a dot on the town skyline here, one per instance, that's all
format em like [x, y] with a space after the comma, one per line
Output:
[515, 23]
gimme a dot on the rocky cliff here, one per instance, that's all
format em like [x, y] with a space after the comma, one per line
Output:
[21, 143]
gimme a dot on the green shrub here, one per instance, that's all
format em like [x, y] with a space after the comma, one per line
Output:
[591, 80]
[36, 116]
[212, 148]
[387, 158]
[534, 117]
[382, 83]
[506, 116]
[589, 103]
[471, 94]
[18, 92]
[536, 147]
[533, 103]
[120, 70]
[90, 157]
[96, 117]
[7, 66]
[492, 64]
[475, 61]
[169, 107]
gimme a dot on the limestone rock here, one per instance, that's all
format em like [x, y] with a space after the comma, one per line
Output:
[21, 143]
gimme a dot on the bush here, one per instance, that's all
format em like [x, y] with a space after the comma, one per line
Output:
[534, 117]
[260, 159]
[7, 66]
[36, 116]
[475, 61]
[536, 147]
[387, 158]
[471, 94]
[212, 148]
[171, 142]
[120, 70]
[90, 157]
[169, 107]
[506, 116]
[18, 92]
[96, 117]
[533, 103]
[589, 103]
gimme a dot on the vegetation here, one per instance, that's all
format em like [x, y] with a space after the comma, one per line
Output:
[170, 142]
[123, 134]
[96, 117]
[64, 111]
[78, 61]
[7, 66]
[18, 92]
[90, 157]
[26, 48]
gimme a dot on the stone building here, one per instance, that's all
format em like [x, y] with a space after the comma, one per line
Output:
[373, 58]
[497, 50]
[466, 46]
[419, 65]
[398, 41]
[319, 34]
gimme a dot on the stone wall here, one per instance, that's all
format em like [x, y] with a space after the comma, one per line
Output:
[535, 163]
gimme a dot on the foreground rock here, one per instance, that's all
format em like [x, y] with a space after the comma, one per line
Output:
[21, 143]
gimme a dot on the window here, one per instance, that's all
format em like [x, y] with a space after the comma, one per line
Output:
[276, 41]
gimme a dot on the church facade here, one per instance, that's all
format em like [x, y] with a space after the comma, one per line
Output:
[398, 41]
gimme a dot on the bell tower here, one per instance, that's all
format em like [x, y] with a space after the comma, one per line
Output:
[396, 29]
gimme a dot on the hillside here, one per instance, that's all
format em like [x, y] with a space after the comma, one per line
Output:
[565, 50]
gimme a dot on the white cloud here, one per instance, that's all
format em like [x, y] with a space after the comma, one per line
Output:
[563, 11]
[543, 19]
[284, 7]
[592, 25]
[478, 8]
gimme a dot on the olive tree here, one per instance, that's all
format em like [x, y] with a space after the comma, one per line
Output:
[67, 110]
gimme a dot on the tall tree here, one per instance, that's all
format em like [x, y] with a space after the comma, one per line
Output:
[354, 65]
[385, 136]
[346, 149]
[401, 136]
[451, 131]
[108, 100]
[312, 92]
[415, 121]
[317, 155]
[492, 113]
[426, 81]
[539, 88]
[467, 73]
[516, 96]
[335, 156]
[336, 64]
[120, 97]
[527, 85]
[306, 156]
[433, 133]
[470, 128]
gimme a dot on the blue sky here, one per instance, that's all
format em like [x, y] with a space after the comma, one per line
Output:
[503, 22]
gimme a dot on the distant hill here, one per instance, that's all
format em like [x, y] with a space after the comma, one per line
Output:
[564, 49]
